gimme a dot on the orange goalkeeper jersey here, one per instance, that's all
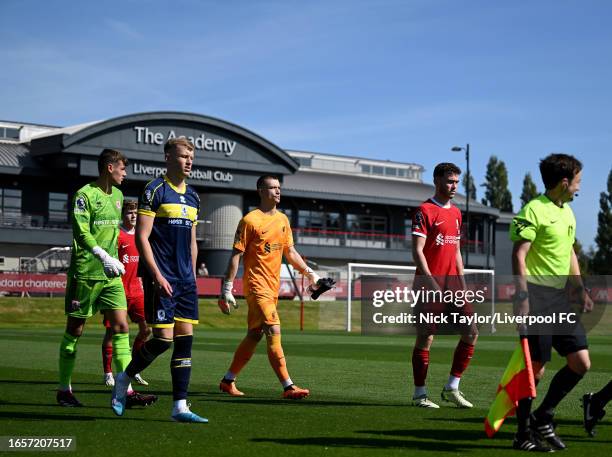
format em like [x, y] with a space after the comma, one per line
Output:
[263, 239]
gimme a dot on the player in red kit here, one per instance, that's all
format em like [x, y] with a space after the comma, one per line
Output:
[436, 234]
[128, 255]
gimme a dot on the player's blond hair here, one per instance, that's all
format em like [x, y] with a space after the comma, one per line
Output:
[173, 143]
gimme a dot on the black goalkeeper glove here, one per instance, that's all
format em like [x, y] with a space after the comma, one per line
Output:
[322, 286]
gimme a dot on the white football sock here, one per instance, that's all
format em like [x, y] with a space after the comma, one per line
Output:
[419, 391]
[180, 406]
[453, 383]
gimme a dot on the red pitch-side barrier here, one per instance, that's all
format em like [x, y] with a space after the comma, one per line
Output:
[56, 284]
[37, 283]
[211, 287]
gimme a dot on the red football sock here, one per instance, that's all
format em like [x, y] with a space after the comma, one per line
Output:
[461, 359]
[107, 359]
[138, 343]
[420, 364]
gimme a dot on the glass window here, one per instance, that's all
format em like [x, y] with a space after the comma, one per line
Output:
[12, 133]
[58, 207]
[366, 169]
[390, 171]
[10, 200]
[319, 220]
[366, 223]
[305, 161]
[377, 170]
[401, 172]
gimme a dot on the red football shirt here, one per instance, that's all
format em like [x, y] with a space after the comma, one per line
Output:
[128, 255]
[441, 228]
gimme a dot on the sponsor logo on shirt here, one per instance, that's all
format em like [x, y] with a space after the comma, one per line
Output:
[107, 222]
[441, 240]
[268, 248]
[129, 259]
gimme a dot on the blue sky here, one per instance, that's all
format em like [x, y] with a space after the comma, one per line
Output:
[397, 80]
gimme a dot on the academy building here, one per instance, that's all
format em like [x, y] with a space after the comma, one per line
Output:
[343, 209]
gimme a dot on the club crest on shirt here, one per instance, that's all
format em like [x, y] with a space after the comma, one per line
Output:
[148, 196]
[184, 212]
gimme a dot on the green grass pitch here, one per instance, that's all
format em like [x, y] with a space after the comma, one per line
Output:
[359, 403]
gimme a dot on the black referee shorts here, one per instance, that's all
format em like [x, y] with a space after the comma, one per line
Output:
[565, 339]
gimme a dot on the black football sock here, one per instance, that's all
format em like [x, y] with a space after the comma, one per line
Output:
[562, 383]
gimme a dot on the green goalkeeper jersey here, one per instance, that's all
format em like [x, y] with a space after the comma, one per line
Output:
[95, 222]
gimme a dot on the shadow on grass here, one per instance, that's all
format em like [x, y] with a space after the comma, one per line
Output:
[44, 417]
[34, 382]
[440, 434]
[511, 423]
[305, 403]
[51, 405]
[377, 443]
[76, 417]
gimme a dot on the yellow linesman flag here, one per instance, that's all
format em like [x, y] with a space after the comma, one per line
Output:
[516, 383]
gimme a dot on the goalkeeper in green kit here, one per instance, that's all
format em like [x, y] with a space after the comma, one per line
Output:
[94, 277]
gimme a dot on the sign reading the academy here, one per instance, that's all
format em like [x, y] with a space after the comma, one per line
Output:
[145, 135]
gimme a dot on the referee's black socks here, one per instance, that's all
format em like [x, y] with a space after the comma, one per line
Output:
[562, 383]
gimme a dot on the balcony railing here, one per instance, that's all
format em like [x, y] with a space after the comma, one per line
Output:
[338, 238]
[30, 221]
[350, 239]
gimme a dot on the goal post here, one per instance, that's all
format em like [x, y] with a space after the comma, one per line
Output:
[355, 271]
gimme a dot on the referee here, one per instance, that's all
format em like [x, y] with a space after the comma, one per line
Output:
[543, 258]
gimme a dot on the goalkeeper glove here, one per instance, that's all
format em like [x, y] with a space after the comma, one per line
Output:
[227, 298]
[112, 266]
[322, 286]
[317, 285]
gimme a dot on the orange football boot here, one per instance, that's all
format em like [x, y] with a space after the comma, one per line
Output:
[230, 388]
[295, 393]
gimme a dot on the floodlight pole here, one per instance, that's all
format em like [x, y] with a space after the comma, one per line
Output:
[467, 199]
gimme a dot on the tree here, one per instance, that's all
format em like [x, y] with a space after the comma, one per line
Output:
[584, 258]
[497, 194]
[602, 260]
[472, 191]
[530, 191]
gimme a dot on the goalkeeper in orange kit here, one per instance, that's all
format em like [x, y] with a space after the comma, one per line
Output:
[262, 237]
